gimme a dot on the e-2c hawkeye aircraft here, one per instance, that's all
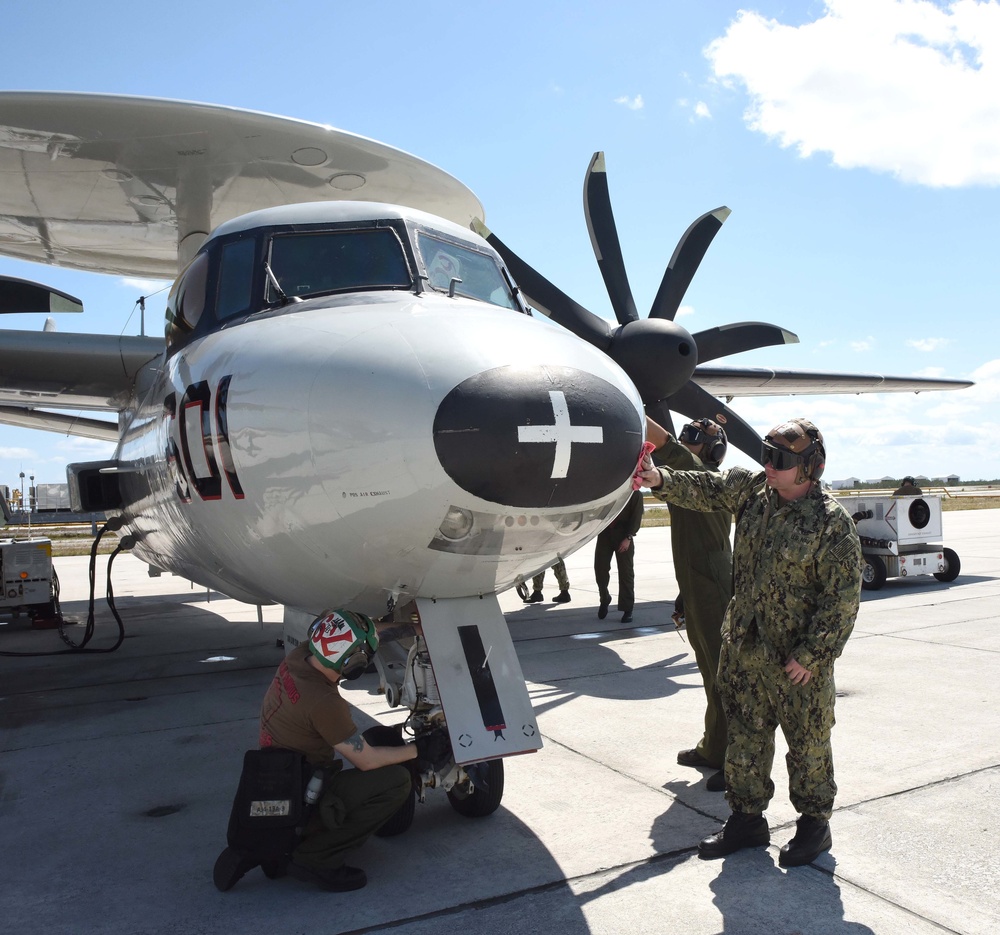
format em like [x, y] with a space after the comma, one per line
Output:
[352, 406]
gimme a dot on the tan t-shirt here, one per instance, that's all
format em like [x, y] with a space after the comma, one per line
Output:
[304, 711]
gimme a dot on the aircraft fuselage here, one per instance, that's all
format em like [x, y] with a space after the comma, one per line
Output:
[363, 447]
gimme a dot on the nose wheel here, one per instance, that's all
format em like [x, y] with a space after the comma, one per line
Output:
[480, 795]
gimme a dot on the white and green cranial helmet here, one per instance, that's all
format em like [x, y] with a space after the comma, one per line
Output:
[344, 641]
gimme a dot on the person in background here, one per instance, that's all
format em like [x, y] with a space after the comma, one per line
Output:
[538, 582]
[618, 539]
[908, 488]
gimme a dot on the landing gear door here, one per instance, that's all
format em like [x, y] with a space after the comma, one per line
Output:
[479, 678]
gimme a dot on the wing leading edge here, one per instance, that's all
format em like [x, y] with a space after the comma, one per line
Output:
[49, 370]
[762, 381]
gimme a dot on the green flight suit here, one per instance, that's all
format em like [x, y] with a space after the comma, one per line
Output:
[797, 588]
[703, 564]
[624, 526]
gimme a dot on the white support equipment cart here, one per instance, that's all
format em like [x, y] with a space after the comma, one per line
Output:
[900, 537]
[29, 581]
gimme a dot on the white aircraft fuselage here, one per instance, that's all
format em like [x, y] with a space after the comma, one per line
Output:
[363, 447]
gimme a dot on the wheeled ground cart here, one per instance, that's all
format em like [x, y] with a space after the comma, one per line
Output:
[900, 537]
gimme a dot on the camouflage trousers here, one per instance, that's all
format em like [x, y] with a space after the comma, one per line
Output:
[758, 698]
[562, 579]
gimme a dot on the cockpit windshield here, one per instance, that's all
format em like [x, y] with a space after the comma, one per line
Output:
[322, 262]
[459, 270]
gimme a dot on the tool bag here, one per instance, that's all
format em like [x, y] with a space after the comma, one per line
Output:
[269, 809]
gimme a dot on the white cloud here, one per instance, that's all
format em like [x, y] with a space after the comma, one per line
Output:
[908, 87]
[928, 344]
[701, 110]
[632, 103]
[874, 435]
[146, 287]
[866, 344]
[684, 310]
[17, 454]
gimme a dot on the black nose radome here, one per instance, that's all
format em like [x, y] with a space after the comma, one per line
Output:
[537, 436]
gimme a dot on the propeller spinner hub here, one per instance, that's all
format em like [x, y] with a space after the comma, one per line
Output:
[658, 355]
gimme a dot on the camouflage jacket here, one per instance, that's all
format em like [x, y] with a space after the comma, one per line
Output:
[796, 566]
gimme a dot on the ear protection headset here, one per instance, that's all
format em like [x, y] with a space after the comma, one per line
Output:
[709, 434]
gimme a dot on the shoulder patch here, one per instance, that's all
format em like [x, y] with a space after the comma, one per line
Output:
[737, 477]
[845, 548]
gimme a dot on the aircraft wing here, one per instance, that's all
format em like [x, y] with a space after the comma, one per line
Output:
[730, 382]
[70, 371]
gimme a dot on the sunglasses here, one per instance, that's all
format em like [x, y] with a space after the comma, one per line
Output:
[781, 459]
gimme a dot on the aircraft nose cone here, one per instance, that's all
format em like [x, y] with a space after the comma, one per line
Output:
[538, 436]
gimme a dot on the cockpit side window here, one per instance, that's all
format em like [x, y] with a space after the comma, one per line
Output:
[186, 301]
[236, 269]
[323, 262]
[476, 275]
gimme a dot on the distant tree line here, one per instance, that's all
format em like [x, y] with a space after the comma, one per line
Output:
[883, 484]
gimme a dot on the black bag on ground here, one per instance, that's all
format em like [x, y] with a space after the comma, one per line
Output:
[269, 804]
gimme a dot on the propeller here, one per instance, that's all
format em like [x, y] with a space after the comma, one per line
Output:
[659, 355]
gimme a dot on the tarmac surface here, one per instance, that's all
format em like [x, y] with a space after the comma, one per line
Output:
[118, 772]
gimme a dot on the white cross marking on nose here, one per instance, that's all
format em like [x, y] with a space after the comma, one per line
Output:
[563, 433]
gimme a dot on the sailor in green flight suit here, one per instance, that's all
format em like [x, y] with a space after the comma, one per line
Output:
[703, 565]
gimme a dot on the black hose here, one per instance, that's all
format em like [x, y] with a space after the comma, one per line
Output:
[113, 524]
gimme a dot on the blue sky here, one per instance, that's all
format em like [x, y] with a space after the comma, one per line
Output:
[856, 142]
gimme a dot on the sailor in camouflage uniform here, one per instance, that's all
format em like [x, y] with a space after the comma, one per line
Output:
[562, 579]
[797, 586]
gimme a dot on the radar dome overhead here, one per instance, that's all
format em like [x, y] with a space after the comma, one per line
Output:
[117, 184]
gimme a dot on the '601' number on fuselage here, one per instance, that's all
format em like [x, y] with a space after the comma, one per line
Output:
[195, 461]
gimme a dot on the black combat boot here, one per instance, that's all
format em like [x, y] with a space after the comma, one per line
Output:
[812, 837]
[741, 830]
[535, 598]
[231, 866]
[339, 880]
[562, 598]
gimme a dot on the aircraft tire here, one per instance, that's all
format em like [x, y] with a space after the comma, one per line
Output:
[873, 574]
[486, 793]
[954, 566]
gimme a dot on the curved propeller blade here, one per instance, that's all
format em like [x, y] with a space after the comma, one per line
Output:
[604, 237]
[688, 254]
[724, 340]
[549, 299]
[695, 403]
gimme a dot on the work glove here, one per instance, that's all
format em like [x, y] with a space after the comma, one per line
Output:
[433, 749]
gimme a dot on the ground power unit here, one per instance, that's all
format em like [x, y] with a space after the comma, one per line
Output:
[901, 537]
[29, 583]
